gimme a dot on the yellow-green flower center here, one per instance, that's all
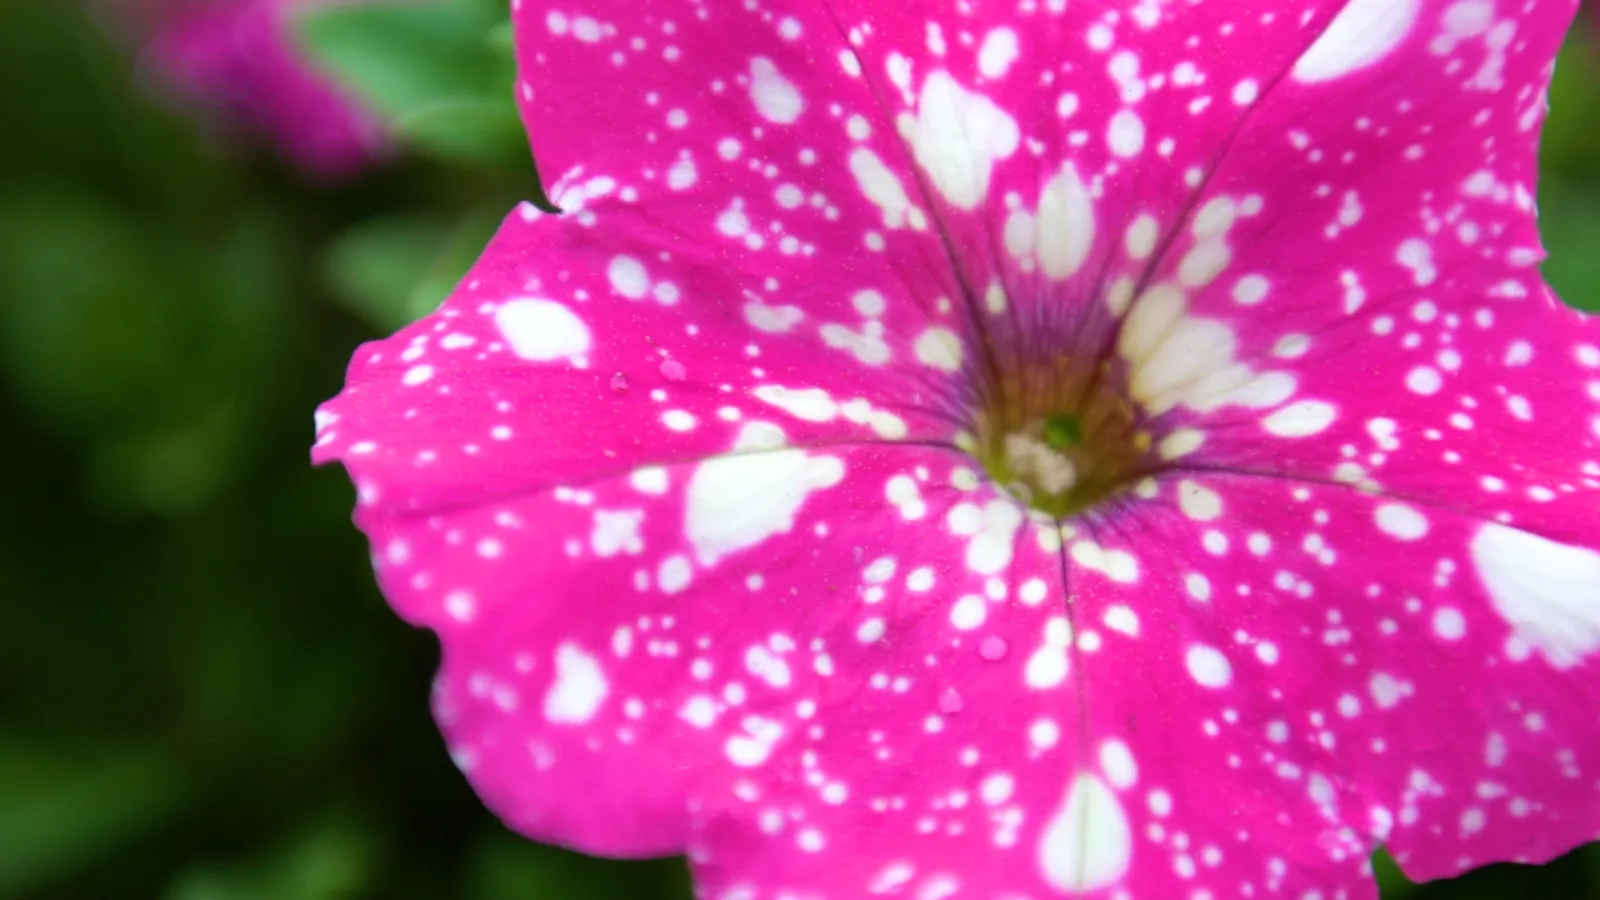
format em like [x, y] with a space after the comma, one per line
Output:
[1062, 438]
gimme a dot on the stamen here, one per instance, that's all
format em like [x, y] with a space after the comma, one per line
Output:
[1061, 437]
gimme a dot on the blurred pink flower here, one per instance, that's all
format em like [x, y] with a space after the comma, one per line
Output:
[236, 58]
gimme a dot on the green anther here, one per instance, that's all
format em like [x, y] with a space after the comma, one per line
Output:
[1062, 431]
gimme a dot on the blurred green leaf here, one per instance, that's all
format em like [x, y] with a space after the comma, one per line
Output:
[465, 129]
[167, 469]
[374, 267]
[61, 810]
[1571, 136]
[440, 73]
[332, 858]
[83, 325]
[1569, 222]
[502, 866]
[393, 271]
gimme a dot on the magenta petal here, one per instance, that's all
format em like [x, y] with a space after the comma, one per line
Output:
[575, 350]
[685, 477]
[769, 709]
[1302, 671]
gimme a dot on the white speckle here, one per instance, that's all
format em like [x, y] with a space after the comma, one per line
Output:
[1118, 565]
[1385, 689]
[998, 52]
[1065, 224]
[1199, 502]
[1181, 443]
[958, 136]
[1400, 521]
[460, 606]
[1361, 34]
[1048, 666]
[903, 492]
[1116, 761]
[772, 319]
[674, 573]
[968, 612]
[752, 748]
[1449, 623]
[1300, 419]
[1141, 237]
[649, 480]
[882, 186]
[767, 666]
[1547, 591]
[996, 789]
[1033, 591]
[627, 276]
[615, 532]
[871, 631]
[681, 176]
[1087, 844]
[542, 330]
[699, 711]
[1125, 134]
[1424, 380]
[1122, 619]
[775, 97]
[678, 419]
[810, 404]
[1416, 255]
[579, 687]
[1043, 734]
[1208, 667]
[940, 348]
[737, 502]
[417, 375]
[1250, 290]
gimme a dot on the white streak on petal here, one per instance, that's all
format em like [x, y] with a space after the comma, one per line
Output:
[1548, 592]
[1087, 844]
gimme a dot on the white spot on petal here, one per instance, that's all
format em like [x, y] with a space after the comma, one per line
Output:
[775, 97]
[1360, 35]
[1208, 667]
[1065, 224]
[958, 136]
[1548, 592]
[541, 330]
[737, 502]
[1302, 419]
[579, 687]
[1087, 844]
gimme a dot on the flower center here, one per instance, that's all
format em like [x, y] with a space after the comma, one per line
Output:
[1062, 437]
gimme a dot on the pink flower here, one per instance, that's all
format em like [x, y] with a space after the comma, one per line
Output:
[1011, 450]
[236, 57]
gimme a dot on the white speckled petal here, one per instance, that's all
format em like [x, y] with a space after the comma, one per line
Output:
[685, 477]
[1302, 659]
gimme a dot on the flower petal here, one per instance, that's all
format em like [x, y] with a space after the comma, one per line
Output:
[1381, 319]
[575, 349]
[893, 659]
[1302, 672]
[1060, 143]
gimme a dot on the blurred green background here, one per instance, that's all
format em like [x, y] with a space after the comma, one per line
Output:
[202, 696]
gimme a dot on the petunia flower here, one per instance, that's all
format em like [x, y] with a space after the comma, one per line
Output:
[236, 59]
[1040, 449]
